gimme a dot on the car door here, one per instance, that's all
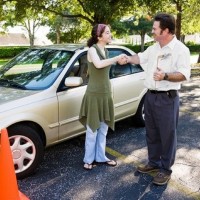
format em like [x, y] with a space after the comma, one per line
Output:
[70, 100]
[127, 85]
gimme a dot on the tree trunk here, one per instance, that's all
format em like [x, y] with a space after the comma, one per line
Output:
[31, 32]
[182, 39]
[142, 40]
[31, 37]
[58, 35]
[178, 21]
[198, 61]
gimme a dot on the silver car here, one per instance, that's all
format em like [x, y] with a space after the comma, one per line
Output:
[41, 91]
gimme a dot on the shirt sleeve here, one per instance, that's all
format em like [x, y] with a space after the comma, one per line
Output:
[183, 63]
[143, 56]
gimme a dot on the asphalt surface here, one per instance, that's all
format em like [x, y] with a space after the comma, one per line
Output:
[61, 175]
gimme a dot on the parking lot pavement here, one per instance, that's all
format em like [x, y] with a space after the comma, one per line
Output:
[62, 177]
[187, 166]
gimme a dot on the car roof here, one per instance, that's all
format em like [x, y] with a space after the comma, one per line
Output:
[75, 46]
[67, 46]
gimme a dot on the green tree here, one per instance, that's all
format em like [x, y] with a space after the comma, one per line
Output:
[142, 27]
[134, 25]
[184, 10]
[31, 20]
[67, 30]
[187, 16]
[110, 11]
[93, 11]
[32, 23]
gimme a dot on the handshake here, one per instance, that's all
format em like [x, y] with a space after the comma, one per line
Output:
[123, 59]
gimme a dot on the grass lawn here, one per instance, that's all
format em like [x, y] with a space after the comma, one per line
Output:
[3, 61]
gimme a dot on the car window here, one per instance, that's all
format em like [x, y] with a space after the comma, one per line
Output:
[136, 68]
[34, 69]
[80, 68]
[118, 70]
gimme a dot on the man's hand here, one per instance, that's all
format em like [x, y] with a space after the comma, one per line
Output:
[158, 75]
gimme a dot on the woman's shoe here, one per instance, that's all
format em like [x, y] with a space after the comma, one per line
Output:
[111, 163]
[88, 166]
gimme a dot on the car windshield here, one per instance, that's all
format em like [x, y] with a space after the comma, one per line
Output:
[34, 69]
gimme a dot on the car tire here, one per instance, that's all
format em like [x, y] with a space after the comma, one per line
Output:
[27, 149]
[139, 118]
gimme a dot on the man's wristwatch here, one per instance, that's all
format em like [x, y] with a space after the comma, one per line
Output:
[165, 77]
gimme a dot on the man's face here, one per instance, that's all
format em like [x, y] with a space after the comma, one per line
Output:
[156, 31]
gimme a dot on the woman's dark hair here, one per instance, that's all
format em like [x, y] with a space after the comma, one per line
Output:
[166, 21]
[96, 32]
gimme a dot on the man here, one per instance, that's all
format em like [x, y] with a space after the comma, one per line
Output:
[167, 64]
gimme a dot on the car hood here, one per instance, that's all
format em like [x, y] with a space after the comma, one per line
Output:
[11, 94]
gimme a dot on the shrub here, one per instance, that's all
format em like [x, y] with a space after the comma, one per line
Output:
[194, 48]
[10, 52]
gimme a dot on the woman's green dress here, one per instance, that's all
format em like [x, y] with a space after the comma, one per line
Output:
[97, 104]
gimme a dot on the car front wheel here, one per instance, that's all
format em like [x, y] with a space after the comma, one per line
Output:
[27, 149]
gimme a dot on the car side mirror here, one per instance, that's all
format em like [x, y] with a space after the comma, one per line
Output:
[73, 81]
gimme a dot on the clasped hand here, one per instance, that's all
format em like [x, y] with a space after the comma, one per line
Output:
[122, 59]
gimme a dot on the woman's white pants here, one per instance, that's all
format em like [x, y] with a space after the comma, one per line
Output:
[95, 144]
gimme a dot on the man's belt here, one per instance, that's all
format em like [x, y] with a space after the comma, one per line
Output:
[170, 93]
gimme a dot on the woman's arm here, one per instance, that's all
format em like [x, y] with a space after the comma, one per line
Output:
[93, 57]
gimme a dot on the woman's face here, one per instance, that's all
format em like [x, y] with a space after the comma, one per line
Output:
[106, 36]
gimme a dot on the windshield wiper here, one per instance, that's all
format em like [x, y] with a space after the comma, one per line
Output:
[10, 83]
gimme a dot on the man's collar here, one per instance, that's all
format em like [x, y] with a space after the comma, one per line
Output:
[172, 43]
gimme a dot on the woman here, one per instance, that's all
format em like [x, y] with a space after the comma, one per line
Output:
[97, 110]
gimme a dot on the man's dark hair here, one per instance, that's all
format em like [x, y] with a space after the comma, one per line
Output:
[166, 21]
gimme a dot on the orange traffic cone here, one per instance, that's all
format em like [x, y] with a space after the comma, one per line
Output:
[8, 182]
